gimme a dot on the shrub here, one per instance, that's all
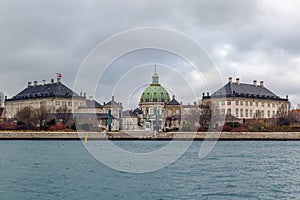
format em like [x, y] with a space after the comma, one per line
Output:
[57, 127]
[240, 129]
[227, 128]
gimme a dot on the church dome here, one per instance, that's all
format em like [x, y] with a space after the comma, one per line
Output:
[155, 92]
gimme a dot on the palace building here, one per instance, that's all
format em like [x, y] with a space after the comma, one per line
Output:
[62, 103]
[246, 101]
[55, 96]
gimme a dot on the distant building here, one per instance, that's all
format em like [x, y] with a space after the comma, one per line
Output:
[132, 119]
[190, 116]
[173, 112]
[115, 109]
[246, 101]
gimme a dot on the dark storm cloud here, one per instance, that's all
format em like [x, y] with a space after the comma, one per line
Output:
[253, 39]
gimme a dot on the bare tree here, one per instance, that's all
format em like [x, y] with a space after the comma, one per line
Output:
[284, 117]
[205, 114]
[42, 115]
[1, 99]
[27, 116]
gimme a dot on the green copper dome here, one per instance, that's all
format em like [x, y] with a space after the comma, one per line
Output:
[155, 92]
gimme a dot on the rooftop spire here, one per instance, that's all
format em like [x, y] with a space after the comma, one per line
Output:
[155, 76]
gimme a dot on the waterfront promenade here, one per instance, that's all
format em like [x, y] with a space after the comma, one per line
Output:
[11, 135]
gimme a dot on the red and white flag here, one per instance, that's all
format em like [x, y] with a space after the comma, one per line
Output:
[58, 75]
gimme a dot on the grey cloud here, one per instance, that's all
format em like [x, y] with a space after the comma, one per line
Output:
[40, 38]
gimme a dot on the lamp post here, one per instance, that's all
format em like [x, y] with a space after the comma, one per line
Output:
[109, 120]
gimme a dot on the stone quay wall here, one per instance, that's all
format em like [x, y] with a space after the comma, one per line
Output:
[134, 135]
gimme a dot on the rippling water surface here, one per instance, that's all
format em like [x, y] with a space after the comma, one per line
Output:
[233, 170]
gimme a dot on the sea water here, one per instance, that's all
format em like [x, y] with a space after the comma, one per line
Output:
[33, 169]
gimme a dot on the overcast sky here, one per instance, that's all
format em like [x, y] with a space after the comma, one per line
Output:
[246, 39]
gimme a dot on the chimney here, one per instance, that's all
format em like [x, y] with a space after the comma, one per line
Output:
[29, 84]
[173, 96]
[84, 94]
[230, 80]
[255, 83]
[52, 80]
[91, 98]
[44, 82]
[237, 81]
[261, 84]
[58, 80]
[81, 94]
[35, 83]
[287, 96]
[113, 98]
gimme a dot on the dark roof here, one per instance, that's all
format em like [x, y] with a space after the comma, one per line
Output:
[57, 89]
[244, 90]
[128, 113]
[137, 111]
[111, 103]
[173, 102]
[230, 118]
[93, 104]
[92, 115]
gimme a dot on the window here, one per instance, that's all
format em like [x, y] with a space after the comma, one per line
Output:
[241, 103]
[269, 114]
[69, 103]
[236, 112]
[251, 103]
[273, 113]
[273, 105]
[228, 103]
[263, 114]
[228, 111]
[169, 112]
[222, 103]
[262, 104]
[241, 113]
[256, 104]
[75, 103]
[251, 113]
[237, 102]
[223, 111]
[64, 103]
[246, 103]
[177, 112]
[269, 105]
[247, 113]
[57, 103]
